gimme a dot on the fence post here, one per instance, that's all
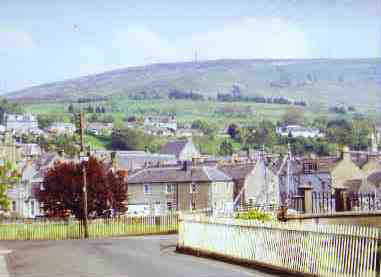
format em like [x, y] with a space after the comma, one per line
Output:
[340, 203]
[306, 192]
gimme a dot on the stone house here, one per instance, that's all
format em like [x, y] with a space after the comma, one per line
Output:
[179, 188]
[183, 150]
[254, 182]
[345, 169]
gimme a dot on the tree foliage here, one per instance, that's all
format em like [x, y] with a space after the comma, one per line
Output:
[206, 127]
[9, 175]
[293, 116]
[62, 189]
[9, 107]
[226, 148]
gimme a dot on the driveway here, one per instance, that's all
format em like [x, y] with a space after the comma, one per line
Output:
[128, 257]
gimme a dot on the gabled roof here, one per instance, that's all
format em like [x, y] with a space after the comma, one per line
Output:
[237, 171]
[178, 175]
[174, 147]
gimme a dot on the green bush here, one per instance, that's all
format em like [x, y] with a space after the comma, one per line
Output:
[254, 214]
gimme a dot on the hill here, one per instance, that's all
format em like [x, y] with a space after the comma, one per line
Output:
[320, 81]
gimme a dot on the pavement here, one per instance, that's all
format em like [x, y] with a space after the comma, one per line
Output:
[151, 256]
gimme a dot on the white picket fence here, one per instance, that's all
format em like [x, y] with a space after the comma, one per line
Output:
[321, 250]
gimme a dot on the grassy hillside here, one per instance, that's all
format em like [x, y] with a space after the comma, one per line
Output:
[187, 111]
[320, 82]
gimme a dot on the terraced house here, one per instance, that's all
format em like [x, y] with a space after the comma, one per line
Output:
[356, 172]
[179, 188]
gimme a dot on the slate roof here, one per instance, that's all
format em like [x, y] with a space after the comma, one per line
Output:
[138, 160]
[237, 171]
[174, 147]
[178, 175]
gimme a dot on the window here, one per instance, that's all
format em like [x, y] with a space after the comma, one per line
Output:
[193, 188]
[169, 206]
[14, 206]
[170, 188]
[147, 189]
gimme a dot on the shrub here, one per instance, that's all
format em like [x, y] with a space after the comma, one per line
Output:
[254, 214]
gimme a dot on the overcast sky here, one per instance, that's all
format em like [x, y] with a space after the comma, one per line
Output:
[50, 40]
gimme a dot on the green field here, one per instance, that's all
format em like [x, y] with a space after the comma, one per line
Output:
[187, 111]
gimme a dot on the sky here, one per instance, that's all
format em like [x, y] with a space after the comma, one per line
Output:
[50, 40]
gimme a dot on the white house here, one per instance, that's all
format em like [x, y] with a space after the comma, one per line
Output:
[23, 195]
[20, 123]
[165, 122]
[299, 131]
[62, 128]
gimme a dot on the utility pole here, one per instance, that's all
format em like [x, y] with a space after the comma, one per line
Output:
[83, 158]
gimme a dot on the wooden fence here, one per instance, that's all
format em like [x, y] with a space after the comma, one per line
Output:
[99, 228]
[319, 250]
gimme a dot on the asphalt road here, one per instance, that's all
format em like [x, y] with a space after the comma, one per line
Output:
[128, 257]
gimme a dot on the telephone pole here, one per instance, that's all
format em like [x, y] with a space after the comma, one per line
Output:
[83, 158]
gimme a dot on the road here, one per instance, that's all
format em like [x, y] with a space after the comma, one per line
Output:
[152, 256]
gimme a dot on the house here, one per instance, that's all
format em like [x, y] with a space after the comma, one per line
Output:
[299, 131]
[20, 123]
[157, 131]
[241, 175]
[99, 128]
[183, 150]
[164, 122]
[134, 160]
[23, 195]
[62, 128]
[324, 174]
[179, 188]
[345, 169]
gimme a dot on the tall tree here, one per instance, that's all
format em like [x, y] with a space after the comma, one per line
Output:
[226, 148]
[233, 130]
[9, 175]
[62, 189]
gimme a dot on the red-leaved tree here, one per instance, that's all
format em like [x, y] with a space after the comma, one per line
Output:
[62, 192]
